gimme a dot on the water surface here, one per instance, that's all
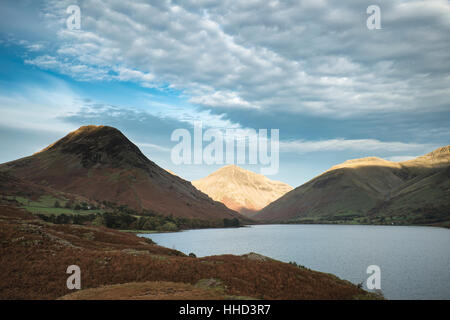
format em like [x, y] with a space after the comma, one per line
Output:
[414, 261]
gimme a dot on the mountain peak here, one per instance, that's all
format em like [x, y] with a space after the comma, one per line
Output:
[231, 167]
[83, 132]
[438, 157]
[99, 144]
[367, 161]
[93, 131]
[89, 129]
[240, 189]
[439, 152]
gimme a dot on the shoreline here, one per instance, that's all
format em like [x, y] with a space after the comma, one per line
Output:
[137, 232]
[156, 231]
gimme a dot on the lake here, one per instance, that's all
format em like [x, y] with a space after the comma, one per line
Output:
[414, 261]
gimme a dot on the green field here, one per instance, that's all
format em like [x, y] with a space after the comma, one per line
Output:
[46, 205]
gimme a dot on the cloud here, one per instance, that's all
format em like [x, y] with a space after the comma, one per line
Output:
[152, 146]
[304, 57]
[365, 145]
[400, 158]
[125, 74]
[84, 72]
[35, 107]
[222, 99]
[77, 71]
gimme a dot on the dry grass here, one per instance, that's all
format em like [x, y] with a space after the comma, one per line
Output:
[156, 290]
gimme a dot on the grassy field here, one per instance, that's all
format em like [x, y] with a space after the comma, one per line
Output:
[46, 205]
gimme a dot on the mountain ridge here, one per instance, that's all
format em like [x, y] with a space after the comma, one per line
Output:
[371, 190]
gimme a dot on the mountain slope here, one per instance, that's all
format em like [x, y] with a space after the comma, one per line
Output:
[365, 189]
[425, 196]
[100, 163]
[241, 190]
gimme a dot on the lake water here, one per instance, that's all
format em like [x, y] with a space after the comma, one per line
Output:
[414, 261]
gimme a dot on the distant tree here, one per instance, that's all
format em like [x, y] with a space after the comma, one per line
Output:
[168, 226]
[192, 255]
[147, 224]
[230, 222]
[99, 221]
[57, 205]
[77, 207]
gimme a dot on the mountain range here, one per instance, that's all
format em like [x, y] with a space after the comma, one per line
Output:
[99, 164]
[371, 190]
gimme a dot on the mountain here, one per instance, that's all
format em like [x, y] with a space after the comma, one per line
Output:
[371, 190]
[241, 190]
[100, 163]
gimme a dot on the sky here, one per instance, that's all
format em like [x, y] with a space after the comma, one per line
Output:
[335, 89]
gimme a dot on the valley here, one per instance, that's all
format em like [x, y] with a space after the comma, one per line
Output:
[66, 205]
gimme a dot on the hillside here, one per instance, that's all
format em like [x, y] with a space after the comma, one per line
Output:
[101, 164]
[35, 255]
[241, 190]
[372, 190]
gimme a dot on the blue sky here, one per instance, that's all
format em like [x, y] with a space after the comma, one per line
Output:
[311, 69]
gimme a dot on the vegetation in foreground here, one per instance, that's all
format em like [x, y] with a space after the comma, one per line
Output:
[35, 255]
[208, 289]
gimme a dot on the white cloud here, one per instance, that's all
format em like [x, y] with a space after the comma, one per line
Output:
[125, 74]
[190, 114]
[86, 72]
[222, 99]
[76, 70]
[152, 146]
[400, 158]
[367, 145]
